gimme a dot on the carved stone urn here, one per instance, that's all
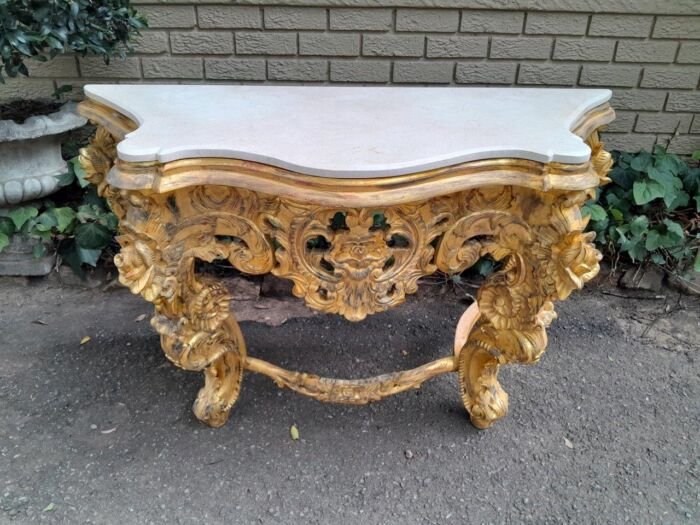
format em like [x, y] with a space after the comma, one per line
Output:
[30, 155]
[30, 160]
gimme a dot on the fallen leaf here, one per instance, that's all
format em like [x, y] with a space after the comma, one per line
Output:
[294, 431]
[108, 431]
[568, 443]
[39, 321]
[85, 339]
[140, 318]
[49, 507]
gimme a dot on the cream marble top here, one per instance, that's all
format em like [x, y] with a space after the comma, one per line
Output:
[350, 131]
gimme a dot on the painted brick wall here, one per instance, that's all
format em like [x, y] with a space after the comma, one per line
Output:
[647, 51]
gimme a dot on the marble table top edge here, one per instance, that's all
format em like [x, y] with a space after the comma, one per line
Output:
[361, 138]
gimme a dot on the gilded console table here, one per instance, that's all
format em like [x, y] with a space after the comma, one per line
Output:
[354, 194]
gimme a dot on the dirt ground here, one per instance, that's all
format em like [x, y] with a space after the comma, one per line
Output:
[603, 430]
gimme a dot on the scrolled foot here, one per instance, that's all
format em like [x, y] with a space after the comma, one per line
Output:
[222, 384]
[482, 394]
[223, 377]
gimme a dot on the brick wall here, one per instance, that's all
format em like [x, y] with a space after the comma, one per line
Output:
[647, 51]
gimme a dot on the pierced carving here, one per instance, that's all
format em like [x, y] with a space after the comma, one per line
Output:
[354, 262]
[361, 267]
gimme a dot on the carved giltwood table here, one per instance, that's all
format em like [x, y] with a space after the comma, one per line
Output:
[354, 194]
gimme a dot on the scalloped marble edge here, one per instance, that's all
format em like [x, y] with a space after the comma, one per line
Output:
[349, 131]
[359, 192]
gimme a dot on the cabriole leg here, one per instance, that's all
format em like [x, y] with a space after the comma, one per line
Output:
[538, 238]
[161, 237]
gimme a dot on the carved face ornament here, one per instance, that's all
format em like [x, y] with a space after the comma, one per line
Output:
[357, 252]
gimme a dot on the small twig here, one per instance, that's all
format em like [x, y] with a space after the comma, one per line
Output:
[641, 298]
[666, 311]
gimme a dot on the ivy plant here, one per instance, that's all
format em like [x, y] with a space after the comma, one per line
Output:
[81, 231]
[651, 209]
[42, 29]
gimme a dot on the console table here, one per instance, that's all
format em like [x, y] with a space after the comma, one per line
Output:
[354, 194]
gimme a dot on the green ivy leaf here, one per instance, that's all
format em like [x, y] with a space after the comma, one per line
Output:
[639, 225]
[654, 241]
[89, 256]
[658, 258]
[7, 226]
[4, 240]
[75, 256]
[484, 266]
[44, 236]
[86, 212]
[696, 264]
[596, 211]
[623, 177]
[642, 161]
[20, 216]
[647, 191]
[65, 179]
[637, 251]
[92, 236]
[39, 250]
[109, 220]
[675, 231]
[64, 218]
[665, 177]
[681, 199]
[617, 214]
[691, 180]
[659, 151]
[79, 172]
[45, 222]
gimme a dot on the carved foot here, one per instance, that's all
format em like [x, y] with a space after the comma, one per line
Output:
[222, 384]
[206, 337]
[482, 394]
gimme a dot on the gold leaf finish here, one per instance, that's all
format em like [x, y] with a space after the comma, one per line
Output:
[351, 252]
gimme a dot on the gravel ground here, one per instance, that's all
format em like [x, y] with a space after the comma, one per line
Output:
[604, 430]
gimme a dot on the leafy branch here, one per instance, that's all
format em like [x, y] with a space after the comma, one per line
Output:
[43, 29]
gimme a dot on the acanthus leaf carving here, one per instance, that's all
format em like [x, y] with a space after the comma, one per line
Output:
[354, 262]
[360, 267]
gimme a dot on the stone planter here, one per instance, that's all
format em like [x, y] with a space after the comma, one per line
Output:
[30, 160]
[30, 155]
[18, 258]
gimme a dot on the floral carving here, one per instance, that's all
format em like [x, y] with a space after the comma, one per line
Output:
[354, 267]
[573, 261]
[141, 270]
[97, 159]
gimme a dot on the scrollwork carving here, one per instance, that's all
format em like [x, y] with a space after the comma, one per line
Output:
[545, 256]
[350, 261]
[360, 267]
